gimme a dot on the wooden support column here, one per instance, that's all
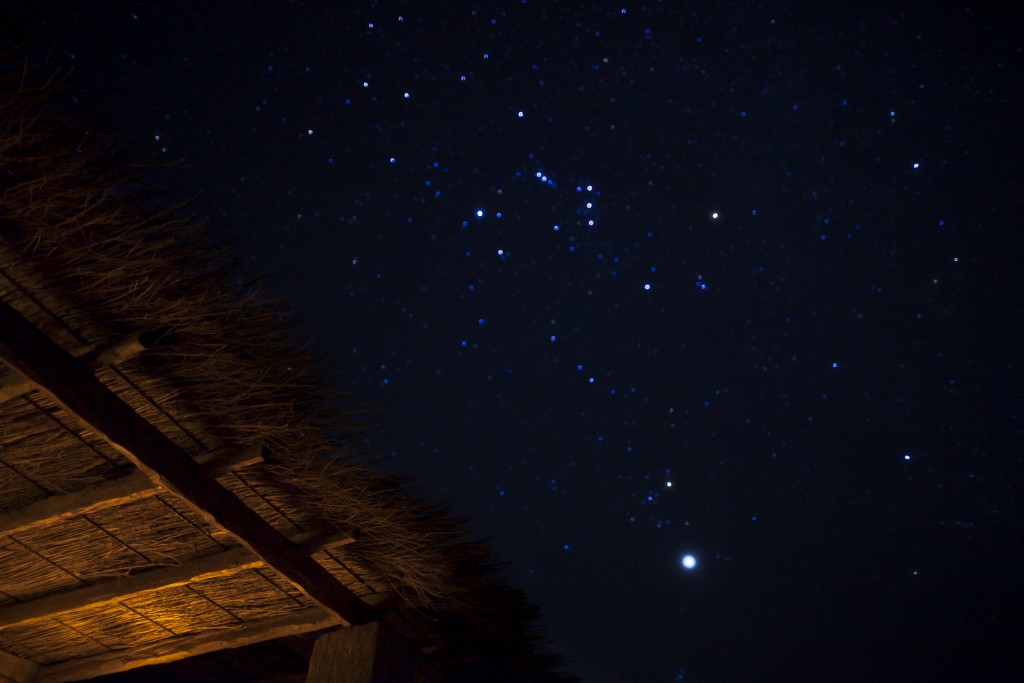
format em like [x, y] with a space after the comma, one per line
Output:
[74, 388]
[16, 670]
[368, 653]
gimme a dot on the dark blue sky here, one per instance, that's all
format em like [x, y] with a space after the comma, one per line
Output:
[634, 281]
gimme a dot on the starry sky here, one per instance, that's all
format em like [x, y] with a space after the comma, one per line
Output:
[640, 281]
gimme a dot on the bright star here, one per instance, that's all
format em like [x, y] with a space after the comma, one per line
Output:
[689, 562]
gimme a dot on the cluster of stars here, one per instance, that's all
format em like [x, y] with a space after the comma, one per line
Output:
[663, 295]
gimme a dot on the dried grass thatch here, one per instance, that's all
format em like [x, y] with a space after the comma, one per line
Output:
[87, 256]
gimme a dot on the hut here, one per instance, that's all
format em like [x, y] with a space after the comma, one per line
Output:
[177, 481]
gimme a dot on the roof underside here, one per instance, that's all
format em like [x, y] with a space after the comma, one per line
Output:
[173, 476]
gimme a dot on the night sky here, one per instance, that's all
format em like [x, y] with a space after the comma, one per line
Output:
[633, 282]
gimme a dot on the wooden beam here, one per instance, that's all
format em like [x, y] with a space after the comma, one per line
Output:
[15, 386]
[94, 355]
[73, 387]
[99, 355]
[171, 649]
[16, 670]
[117, 590]
[116, 492]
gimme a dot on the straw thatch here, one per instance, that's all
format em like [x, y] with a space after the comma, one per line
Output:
[89, 257]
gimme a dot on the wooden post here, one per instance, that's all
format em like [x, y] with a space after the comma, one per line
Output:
[368, 653]
[16, 670]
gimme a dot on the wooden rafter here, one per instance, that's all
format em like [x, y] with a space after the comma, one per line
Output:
[171, 649]
[221, 564]
[74, 388]
[116, 492]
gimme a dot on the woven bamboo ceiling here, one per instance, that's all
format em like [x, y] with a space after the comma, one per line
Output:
[173, 477]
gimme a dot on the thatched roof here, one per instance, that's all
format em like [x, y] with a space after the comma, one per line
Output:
[109, 561]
